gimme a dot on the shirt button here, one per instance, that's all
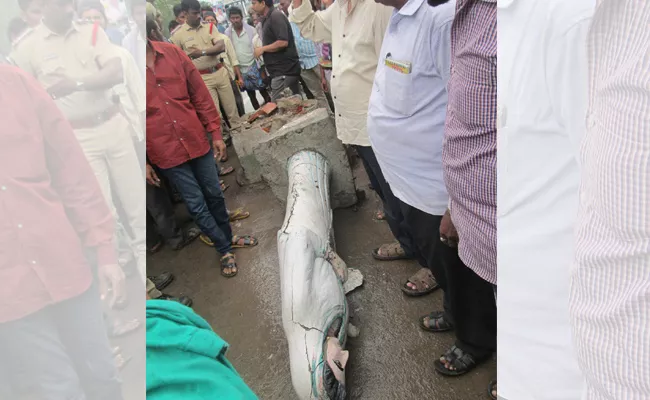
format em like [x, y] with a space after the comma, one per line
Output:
[344, 35]
[20, 225]
[181, 139]
[166, 102]
[174, 121]
[4, 188]
[339, 115]
[34, 262]
[159, 85]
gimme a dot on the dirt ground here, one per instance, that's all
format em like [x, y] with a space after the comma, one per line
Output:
[391, 359]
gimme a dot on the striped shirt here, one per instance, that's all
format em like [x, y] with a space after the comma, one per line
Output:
[470, 145]
[610, 281]
[307, 50]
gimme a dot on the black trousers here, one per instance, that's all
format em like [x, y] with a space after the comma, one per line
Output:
[253, 97]
[391, 204]
[469, 301]
[161, 219]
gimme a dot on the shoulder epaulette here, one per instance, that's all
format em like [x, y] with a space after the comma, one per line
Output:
[28, 32]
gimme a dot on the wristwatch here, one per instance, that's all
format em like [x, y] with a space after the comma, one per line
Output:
[203, 53]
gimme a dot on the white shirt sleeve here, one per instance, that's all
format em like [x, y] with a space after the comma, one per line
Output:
[442, 40]
[567, 80]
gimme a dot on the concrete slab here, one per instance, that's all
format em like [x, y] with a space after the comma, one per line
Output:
[315, 131]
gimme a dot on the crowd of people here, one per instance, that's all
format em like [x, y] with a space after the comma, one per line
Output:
[412, 87]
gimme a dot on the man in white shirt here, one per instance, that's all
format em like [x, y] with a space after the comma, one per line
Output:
[542, 86]
[356, 29]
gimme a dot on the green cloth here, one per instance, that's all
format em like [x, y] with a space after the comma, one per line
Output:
[186, 359]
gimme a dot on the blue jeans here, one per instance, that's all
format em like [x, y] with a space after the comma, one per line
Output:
[197, 181]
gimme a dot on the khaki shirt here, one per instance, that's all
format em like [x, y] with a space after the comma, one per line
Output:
[49, 57]
[188, 38]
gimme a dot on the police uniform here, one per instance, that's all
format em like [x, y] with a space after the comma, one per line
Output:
[102, 131]
[216, 71]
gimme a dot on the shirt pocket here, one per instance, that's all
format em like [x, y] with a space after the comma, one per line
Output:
[397, 96]
[52, 70]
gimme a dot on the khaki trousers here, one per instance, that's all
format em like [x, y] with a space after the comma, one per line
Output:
[152, 291]
[110, 152]
[312, 79]
[218, 83]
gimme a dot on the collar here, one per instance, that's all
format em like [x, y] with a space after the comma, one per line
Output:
[410, 8]
[156, 47]
[47, 32]
[355, 3]
[189, 28]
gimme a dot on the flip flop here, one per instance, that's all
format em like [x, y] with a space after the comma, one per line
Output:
[223, 171]
[238, 214]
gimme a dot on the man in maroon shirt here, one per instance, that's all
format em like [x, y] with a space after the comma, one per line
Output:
[53, 221]
[179, 112]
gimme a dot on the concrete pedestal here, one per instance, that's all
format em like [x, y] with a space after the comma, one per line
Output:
[264, 155]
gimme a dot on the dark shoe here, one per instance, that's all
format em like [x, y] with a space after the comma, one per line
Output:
[162, 281]
[188, 237]
[184, 300]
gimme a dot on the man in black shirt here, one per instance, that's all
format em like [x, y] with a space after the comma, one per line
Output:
[279, 49]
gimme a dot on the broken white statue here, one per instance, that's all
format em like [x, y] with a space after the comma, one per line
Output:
[314, 308]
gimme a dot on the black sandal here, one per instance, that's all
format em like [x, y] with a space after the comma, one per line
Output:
[441, 324]
[228, 261]
[492, 387]
[461, 361]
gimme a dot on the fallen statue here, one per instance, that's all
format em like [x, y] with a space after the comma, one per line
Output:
[314, 281]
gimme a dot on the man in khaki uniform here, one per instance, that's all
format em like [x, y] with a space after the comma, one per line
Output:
[214, 56]
[79, 67]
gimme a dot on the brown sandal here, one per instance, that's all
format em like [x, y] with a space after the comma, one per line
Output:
[390, 252]
[423, 280]
[228, 261]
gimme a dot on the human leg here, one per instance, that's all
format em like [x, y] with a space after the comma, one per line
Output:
[36, 361]
[253, 98]
[82, 330]
[391, 204]
[207, 176]
[227, 98]
[162, 214]
[186, 182]
[312, 78]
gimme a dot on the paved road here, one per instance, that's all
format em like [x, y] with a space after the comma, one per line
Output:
[391, 359]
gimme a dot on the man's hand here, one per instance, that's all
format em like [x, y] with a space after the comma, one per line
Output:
[62, 88]
[112, 285]
[219, 149]
[324, 84]
[195, 53]
[258, 52]
[152, 177]
[448, 234]
[240, 83]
